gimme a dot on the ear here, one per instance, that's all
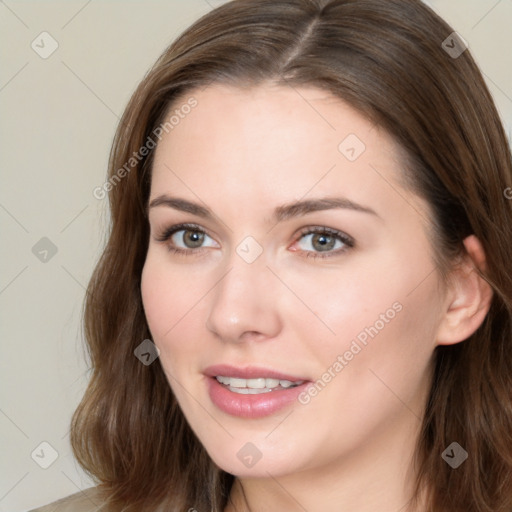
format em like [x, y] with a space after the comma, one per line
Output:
[468, 296]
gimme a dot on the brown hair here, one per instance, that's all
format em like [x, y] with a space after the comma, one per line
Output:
[387, 60]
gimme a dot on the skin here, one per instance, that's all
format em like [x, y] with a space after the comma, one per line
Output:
[241, 153]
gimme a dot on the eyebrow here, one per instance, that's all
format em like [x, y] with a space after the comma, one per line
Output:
[281, 213]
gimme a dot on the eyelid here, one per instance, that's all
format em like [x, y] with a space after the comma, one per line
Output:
[347, 239]
[166, 233]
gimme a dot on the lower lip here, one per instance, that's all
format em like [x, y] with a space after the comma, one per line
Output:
[251, 406]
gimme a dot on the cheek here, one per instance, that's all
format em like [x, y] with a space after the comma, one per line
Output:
[377, 366]
[173, 300]
[167, 295]
[156, 301]
[382, 316]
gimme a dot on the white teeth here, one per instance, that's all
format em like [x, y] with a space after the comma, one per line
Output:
[238, 383]
[254, 386]
[271, 383]
[249, 391]
[254, 383]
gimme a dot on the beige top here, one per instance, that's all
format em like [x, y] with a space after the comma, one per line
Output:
[83, 501]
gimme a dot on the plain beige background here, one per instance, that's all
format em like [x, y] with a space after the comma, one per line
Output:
[58, 116]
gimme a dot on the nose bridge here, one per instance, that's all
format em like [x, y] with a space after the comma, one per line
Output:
[244, 299]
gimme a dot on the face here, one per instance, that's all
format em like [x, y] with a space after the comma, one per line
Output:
[286, 259]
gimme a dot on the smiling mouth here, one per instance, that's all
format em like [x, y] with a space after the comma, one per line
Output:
[256, 386]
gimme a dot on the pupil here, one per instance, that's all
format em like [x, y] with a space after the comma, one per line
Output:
[193, 239]
[326, 242]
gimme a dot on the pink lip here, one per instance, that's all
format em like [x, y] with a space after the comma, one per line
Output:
[250, 406]
[249, 372]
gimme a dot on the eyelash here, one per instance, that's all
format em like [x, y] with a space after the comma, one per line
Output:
[345, 239]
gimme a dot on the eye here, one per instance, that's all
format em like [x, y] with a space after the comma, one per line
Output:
[317, 240]
[314, 242]
[185, 238]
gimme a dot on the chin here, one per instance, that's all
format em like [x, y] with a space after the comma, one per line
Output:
[256, 469]
[250, 455]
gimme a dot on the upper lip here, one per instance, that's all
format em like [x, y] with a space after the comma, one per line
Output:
[249, 372]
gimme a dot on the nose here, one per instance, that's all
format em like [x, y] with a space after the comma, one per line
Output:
[244, 303]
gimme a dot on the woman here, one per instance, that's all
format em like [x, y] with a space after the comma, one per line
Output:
[305, 300]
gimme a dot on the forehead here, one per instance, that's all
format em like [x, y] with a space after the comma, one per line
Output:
[273, 143]
[273, 118]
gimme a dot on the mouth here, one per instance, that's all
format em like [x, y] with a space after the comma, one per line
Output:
[252, 392]
[256, 386]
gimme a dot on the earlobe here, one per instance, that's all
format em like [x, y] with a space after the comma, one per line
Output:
[468, 298]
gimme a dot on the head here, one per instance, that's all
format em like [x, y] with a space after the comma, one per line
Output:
[257, 106]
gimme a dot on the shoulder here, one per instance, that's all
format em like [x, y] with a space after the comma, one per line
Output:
[89, 500]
